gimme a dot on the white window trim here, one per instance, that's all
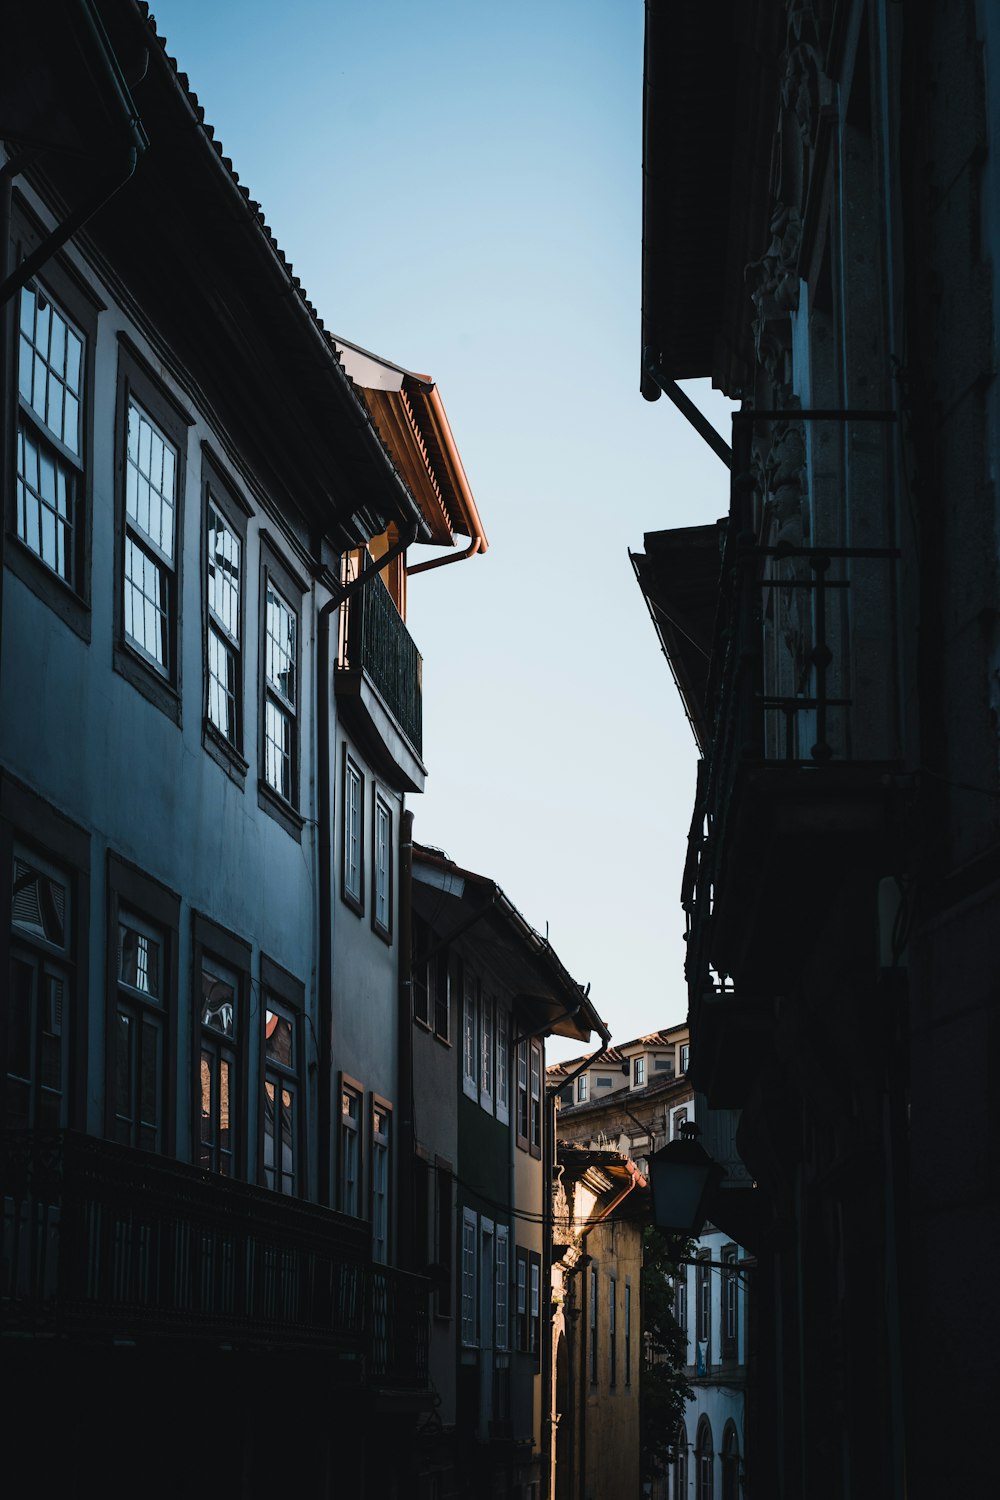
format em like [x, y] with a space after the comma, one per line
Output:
[501, 1294]
[487, 1044]
[501, 1055]
[469, 1278]
[470, 1038]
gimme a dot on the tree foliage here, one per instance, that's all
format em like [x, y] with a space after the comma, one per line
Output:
[665, 1389]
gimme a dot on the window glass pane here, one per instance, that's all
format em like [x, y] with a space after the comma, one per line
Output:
[138, 960]
[224, 573]
[280, 652]
[279, 1039]
[218, 1004]
[222, 685]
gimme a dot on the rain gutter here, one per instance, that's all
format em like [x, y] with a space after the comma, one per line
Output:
[109, 186]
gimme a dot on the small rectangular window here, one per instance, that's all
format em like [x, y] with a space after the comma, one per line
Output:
[352, 853]
[638, 1071]
[582, 1089]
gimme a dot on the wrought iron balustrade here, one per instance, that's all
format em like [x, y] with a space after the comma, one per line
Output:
[99, 1240]
[373, 639]
[802, 683]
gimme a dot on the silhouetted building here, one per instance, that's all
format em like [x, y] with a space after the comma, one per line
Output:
[820, 237]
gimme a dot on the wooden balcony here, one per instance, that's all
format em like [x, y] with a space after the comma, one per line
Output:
[376, 652]
[100, 1242]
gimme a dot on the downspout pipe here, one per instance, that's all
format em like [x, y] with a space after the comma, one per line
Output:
[687, 408]
[326, 772]
[109, 186]
[451, 557]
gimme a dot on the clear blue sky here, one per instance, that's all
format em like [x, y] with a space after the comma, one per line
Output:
[458, 186]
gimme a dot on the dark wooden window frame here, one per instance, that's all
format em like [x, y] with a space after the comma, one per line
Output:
[211, 941]
[289, 995]
[382, 930]
[535, 1100]
[130, 888]
[347, 1084]
[355, 902]
[67, 288]
[136, 378]
[29, 822]
[219, 490]
[377, 1101]
[293, 591]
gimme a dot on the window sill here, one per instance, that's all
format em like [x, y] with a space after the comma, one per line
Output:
[48, 586]
[272, 802]
[224, 754]
[357, 906]
[147, 681]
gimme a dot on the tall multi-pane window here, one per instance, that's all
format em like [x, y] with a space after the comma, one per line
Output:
[281, 1097]
[224, 571]
[612, 1331]
[502, 1277]
[280, 697]
[487, 1006]
[352, 881]
[470, 1075]
[523, 1112]
[704, 1289]
[149, 596]
[638, 1071]
[705, 1459]
[730, 1303]
[350, 1151]
[536, 1099]
[382, 872]
[521, 1299]
[593, 1325]
[535, 1306]
[218, 1070]
[140, 1034]
[50, 378]
[469, 1228]
[39, 998]
[380, 1176]
[681, 1298]
[503, 1063]
[680, 1488]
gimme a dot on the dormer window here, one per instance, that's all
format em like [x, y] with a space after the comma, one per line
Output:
[582, 1089]
[638, 1072]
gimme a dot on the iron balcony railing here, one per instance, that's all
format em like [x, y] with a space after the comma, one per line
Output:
[101, 1240]
[803, 673]
[373, 639]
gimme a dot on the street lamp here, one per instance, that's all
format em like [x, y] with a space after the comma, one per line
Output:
[682, 1179]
